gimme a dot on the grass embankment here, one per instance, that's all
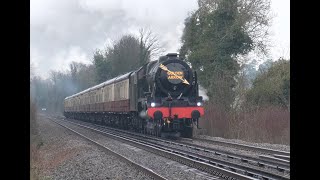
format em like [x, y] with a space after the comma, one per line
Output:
[35, 143]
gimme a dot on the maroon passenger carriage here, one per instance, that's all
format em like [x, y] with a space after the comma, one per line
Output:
[160, 98]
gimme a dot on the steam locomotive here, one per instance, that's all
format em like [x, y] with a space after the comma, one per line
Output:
[160, 98]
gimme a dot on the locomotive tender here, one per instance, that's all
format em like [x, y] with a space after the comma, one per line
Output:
[160, 98]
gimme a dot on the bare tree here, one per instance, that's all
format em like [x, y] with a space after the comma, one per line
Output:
[256, 16]
[150, 47]
[124, 55]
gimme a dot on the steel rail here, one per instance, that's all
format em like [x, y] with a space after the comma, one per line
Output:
[248, 147]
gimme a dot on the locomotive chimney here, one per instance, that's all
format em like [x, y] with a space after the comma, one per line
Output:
[169, 55]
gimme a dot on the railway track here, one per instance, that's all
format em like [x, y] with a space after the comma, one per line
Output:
[261, 161]
[139, 167]
[279, 162]
[214, 166]
[283, 154]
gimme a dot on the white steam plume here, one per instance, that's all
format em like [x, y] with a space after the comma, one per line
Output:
[203, 93]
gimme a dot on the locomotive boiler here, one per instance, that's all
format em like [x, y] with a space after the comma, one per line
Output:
[160, 98]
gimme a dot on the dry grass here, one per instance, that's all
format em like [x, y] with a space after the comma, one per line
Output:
[268, 125]
[33, 119]
[214, 121]
[35, 142]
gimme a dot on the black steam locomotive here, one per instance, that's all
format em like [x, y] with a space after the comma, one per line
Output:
[160, 98]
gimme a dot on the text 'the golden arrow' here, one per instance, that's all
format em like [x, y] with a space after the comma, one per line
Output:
[166, 69]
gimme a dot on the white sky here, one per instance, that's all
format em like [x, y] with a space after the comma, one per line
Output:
[65, 31]
[281, 28]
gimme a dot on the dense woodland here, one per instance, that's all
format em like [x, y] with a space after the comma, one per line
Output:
[245, 101]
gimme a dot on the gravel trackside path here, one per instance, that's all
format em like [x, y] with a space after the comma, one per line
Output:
[60, 154]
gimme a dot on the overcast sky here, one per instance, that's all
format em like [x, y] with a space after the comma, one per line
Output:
[62, 31]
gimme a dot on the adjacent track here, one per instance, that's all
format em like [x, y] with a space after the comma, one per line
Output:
[247, 147]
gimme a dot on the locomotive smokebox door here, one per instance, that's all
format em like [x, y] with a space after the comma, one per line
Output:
[174, 77]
